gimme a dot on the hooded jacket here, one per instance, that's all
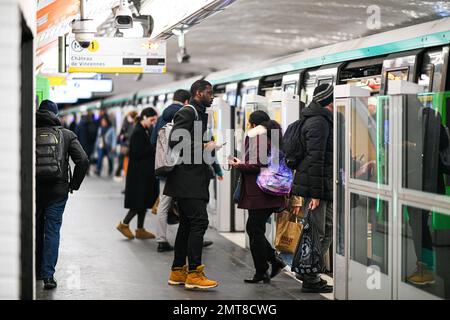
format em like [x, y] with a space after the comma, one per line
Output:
[166, 117]
[314, 175]
[46, 193]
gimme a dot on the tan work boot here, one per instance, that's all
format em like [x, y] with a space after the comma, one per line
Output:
[178, 275]
[125, 230]
[197, 279]
[421, 276]
[144, 234]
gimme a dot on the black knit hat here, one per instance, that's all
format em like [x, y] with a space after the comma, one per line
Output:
[323, 94]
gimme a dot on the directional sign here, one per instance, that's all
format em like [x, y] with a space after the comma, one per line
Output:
[117, 55]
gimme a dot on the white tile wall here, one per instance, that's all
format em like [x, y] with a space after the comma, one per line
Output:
[9, 149]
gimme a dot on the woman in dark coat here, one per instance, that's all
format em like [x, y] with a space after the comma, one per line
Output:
[141, 185]
[260, 205]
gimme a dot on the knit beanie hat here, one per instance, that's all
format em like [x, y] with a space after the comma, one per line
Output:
[49, 106]
[323, 94]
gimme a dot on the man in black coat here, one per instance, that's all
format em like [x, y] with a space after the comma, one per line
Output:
[188, 183]
[51, 197]
[314, 175]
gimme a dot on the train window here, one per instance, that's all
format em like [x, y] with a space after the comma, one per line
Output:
[290, 87]
[327, 80]
[396, 74]
[426, 78]
[252, 90]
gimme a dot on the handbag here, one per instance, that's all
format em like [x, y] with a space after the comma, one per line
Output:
[288, 232]
[308, 258]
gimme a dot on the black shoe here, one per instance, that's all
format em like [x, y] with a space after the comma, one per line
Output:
[259, 277]
[277, 265]
[164, 246]
[50, 283]
[318, 287]
[300, 277]
[207, 243]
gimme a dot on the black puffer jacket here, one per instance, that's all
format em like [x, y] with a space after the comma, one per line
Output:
[314, 175]
[46, 193]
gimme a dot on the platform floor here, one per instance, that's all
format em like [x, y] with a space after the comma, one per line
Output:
[97, 262]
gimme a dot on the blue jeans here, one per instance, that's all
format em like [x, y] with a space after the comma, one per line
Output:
[48, 225]
[101, 154]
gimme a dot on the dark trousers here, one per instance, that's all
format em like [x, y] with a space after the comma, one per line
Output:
[120, 167]
[262, 251]
[141, 217]
[48, 226]
[192, 228]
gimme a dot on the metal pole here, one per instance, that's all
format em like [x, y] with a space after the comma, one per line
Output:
[82, 9]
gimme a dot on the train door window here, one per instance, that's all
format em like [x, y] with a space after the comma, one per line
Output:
[396, 74]
[426, 77]
[326, 80]
[290, 87]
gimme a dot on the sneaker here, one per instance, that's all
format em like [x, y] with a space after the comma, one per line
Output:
[207, 243]
[421, 276]
[50, 283]
[197, 279]
[164, 246]
[144, 234]
[178, 276]
[125, 230]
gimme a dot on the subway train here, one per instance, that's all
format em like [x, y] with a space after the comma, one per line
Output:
[417, 54]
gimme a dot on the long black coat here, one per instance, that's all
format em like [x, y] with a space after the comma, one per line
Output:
[141, 188]
[314, 174]
[189, 180]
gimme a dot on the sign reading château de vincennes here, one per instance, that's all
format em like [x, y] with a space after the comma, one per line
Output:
[117, 55]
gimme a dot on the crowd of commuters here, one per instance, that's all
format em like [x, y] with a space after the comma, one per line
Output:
[137, 141]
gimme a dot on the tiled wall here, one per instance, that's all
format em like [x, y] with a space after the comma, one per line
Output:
[10, 35]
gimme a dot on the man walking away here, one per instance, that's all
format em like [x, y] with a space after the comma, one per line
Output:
[54, 146]
[188, 184]
[314, 175]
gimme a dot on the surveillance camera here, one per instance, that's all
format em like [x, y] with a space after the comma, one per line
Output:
[183, 56]
[124, 17]
[84, 31]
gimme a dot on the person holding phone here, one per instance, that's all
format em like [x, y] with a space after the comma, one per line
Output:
[260, 205]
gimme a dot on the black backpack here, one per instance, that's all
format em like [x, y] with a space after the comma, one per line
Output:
[293, 145]
[50, 157]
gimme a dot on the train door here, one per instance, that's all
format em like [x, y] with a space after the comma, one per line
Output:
[392, 207]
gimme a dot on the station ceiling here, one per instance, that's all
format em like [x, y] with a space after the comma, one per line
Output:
[253, 30]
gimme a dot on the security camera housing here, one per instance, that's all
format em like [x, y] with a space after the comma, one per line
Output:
[124, 17]
[84, 31]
